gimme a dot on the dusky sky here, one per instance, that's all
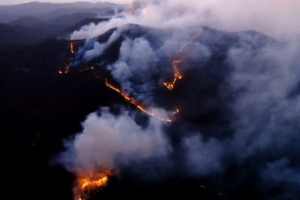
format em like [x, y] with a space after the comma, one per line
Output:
[11, 2]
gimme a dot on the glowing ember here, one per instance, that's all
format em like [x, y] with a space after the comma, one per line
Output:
[90, 68]
[67, 69]
[128, 98]
[90, 181]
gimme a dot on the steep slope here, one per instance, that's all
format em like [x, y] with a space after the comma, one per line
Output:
[42, 108]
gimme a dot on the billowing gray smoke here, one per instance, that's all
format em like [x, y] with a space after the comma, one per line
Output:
[105, 136]
[274, 17]
[239, 97]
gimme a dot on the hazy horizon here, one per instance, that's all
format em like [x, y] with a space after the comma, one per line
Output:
[15, 2]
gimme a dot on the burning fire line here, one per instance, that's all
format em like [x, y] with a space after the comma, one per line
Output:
[90, 181]
[66, 71]
[176, 111]
[170, 86]
[90, 68]
[126, 97]
[134, 102]
[188, 43]
[68, 68]
[72, 48]
[177, 74]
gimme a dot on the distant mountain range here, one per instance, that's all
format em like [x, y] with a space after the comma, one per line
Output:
[26, 21]
[32, 23]
[19, 35]
[48, 11]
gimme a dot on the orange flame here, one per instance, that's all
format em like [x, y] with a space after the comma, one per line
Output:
[68, 66]
[176, 111]
[126, 97]
[134, 102]
[94, 180]
[86, 69]
[188, 43]
[177, 74]
[67, 69]
[90, 181]
[72, 48]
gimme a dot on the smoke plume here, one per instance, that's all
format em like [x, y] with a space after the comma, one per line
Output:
[239, 98]
[276, 18]
[107, 136]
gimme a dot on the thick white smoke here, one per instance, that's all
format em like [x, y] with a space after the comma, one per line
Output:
[107, 137]
[277, 18]
[266, 109]
[97, 48]
[204, 157]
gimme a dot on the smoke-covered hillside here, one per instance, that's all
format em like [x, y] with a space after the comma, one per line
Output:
[172, 98]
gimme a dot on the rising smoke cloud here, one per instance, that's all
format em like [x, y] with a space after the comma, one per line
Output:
[276, 18]
[107, 136]
[259, 74]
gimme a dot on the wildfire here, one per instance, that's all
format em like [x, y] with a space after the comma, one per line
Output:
[67, 69]
[188, 43]
[72, 48]
[134, 102]
[90, 181]
[177, 74]
[127, 97]
[90, 68]
[93, 180]
[68, 66]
